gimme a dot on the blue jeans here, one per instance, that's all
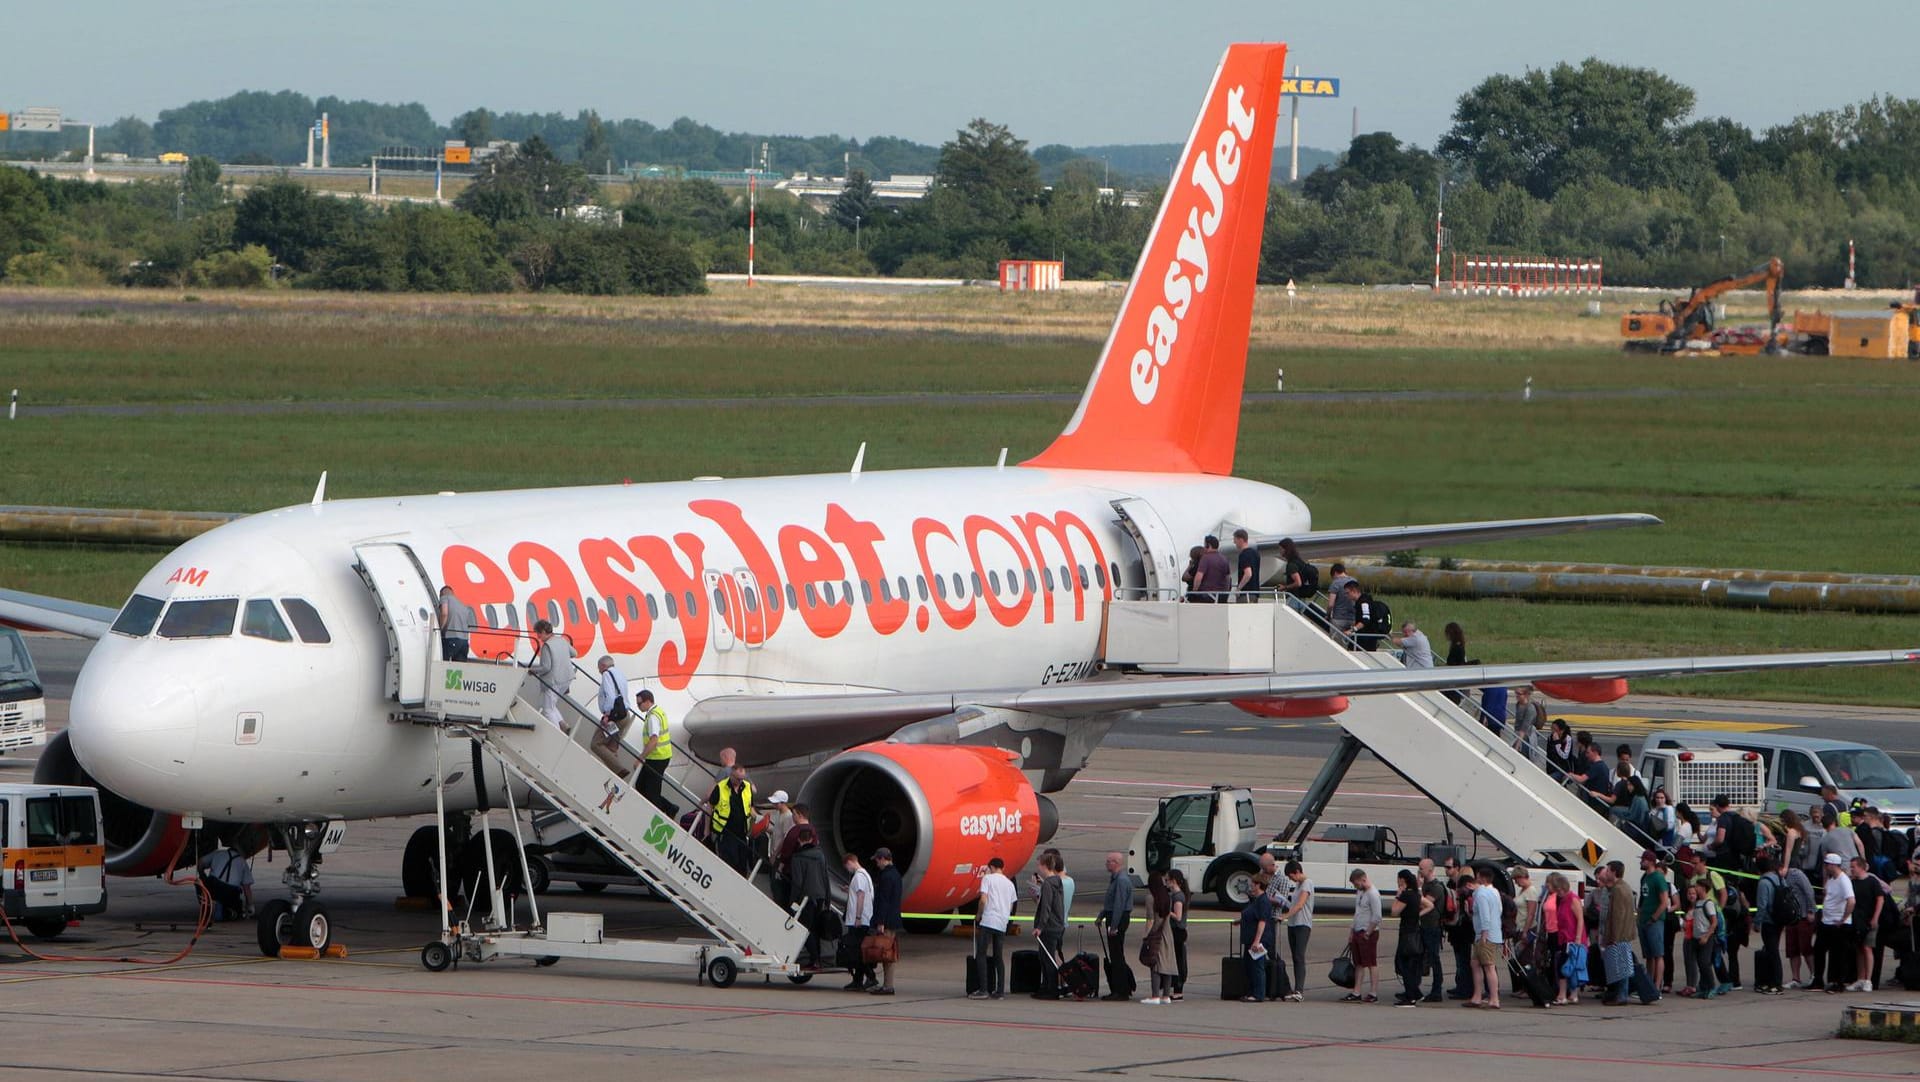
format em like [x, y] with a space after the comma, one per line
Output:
[1256, 970]
[1653, 940]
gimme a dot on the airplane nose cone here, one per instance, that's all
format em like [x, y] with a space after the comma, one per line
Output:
[132, 726]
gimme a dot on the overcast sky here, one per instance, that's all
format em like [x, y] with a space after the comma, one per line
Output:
[1115, 72]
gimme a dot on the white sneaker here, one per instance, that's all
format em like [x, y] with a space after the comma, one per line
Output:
[1861, 986]
[1153, 1001]
[1793, 984]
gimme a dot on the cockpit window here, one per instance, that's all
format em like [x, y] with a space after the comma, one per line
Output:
[306, 621]
[138, 617]
[262, 621]
[209, 619]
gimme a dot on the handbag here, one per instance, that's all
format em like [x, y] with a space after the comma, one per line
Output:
[1342, 971]
[880, 947]
[1150, 946]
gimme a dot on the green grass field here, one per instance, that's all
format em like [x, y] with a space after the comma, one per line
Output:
[1795, 463]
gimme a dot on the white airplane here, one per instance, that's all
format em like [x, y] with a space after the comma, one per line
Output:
[251, 677]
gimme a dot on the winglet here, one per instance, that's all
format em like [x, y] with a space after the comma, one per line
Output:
[320, 490]
[1165, 395]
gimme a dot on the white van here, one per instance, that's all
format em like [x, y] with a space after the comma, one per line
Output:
[55, 869]
[23, 701]
[1797, 766]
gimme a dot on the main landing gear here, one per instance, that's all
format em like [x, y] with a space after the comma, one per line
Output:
[300, 921]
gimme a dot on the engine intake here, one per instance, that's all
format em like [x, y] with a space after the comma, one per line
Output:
[943, 811]
[139, 840]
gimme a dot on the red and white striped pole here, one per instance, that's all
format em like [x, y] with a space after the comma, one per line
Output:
[752, 212]
[1850, 278]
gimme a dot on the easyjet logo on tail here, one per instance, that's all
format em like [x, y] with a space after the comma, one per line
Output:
[1205, 194]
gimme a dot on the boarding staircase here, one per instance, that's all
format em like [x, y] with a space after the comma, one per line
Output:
[1438, 746]
[556, 764]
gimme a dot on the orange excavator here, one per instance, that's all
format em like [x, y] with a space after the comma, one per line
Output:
[1687, 323]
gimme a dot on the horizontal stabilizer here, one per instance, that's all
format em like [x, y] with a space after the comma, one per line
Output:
[1368, 539]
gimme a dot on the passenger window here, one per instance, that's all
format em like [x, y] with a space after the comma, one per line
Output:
[921, 581]
[79, 823]
[593, 610]
[902, 593]
[573, 612]
[773, 599]
[959, 586]
[1031, 586]
[1085, 582]
[43, 823]
[976, 584]
[653, 608]
[693, 605]
[487, 613]
[793, 599]
[138, 616]
[533, 616]
[826, 590]
[940, 586]
[866, 592]
[1047, 574]
[633, 607]
[673, 606]
[884, 593]
[813, 597]
[1100, 575]
[751, 599]
[993, 580]
[846, 592]
[553, 615]
[1793, 767]
[263, 621]
[199, 619]
[719, 601]
[1066, 578]
[512, 614]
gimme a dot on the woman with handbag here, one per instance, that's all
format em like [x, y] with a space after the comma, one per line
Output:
[1567, 935]
[1177, 885]
[1156, 946]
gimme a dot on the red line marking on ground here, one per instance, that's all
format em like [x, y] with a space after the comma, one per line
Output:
[1040, 1027]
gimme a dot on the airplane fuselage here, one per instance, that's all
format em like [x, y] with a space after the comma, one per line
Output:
[917, 580]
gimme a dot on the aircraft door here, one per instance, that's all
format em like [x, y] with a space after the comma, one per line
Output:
[753, 608]
[1159, 554]
[405, 596]
[723, 601]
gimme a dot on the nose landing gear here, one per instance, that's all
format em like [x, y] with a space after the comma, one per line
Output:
[300, 921]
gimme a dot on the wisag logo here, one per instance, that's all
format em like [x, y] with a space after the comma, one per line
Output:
[456, 681]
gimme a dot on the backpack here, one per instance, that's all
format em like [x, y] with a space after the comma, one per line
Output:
[1309, 574]
[1896, 847]
[1740, 839]
[1785, 910]
[1379, 616]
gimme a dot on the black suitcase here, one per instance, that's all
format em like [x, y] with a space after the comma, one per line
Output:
[1641, 984]
[1530, 980]
[1233, 975]
[1023, 972]
[1080, 977]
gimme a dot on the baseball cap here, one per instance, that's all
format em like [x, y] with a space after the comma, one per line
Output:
[779, 797]
[1835, 858]
[883, 853]
[1649, 855]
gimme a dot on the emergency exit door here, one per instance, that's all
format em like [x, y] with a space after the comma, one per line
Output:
[405, 596]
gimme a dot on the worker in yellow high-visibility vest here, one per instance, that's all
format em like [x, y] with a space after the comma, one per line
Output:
[730, 806]
[656, 750]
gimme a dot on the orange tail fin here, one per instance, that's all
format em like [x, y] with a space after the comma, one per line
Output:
[1166, 393]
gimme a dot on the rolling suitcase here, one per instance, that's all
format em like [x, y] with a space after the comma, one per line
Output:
[1119, 974]
[1023, 972]
[1080, 976]
[1529, 980]
[1641, 984]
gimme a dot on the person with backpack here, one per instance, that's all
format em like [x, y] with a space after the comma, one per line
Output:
[1297, 577]
[1776, 908]
[1703, 934]
[1372, 619]
[1798, 936]
[1872, 903]
[1732, 847]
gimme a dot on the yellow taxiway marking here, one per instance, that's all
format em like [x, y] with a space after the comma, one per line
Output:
[1628, 724]
[1242, 728]
[1195, 732]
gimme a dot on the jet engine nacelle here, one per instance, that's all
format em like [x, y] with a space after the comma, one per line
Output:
[943, 811]
[139, 840]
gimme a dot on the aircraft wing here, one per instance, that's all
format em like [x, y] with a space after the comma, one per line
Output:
[37, 612]
[1396, 538]
[782, 726]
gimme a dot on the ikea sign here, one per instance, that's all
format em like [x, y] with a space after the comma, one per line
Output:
[1310, 86]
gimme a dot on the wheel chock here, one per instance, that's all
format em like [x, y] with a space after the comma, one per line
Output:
[336, 950]
[301, 953]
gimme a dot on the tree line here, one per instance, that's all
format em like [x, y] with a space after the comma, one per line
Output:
[1580, 160]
